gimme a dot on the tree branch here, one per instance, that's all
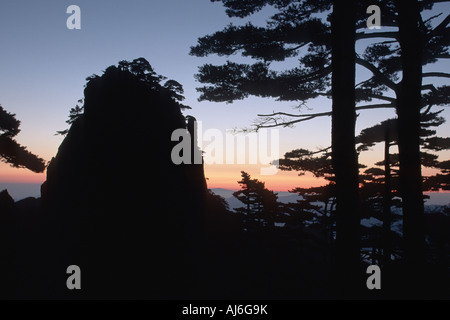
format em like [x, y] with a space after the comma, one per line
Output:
[427, 110]
[436, 74]
[376, 106]
[429, 87]
[315, 75]
[305, 117]
[433, 17]
[439, 28]
[318, 151]
[377, 73]
[377, 96]
[295, 115]
[282, 124]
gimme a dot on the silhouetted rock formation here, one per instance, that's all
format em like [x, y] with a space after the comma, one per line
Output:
[6, 202]
[117, 204]
[7, 248]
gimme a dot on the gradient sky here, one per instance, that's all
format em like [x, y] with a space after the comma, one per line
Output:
[43, 67]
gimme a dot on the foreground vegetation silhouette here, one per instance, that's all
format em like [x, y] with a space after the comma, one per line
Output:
[12, 152]
[173, 238]
[140, 226]
[323, 36]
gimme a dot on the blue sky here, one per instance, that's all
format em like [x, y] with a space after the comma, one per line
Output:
[43, 66]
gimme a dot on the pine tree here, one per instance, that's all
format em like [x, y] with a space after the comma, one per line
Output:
[294, 27]
[261, 205]
[12, 152]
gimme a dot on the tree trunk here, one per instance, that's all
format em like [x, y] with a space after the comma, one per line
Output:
[344, 157]
[408, 111]
[387, 241]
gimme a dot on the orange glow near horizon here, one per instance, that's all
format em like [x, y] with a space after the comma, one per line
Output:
[218, 176]
[10, 174]
[227, 176]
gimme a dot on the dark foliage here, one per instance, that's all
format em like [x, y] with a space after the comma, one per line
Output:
[12, 152]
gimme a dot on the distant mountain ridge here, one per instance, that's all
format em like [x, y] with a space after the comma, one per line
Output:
[20, 191]
[436, 198]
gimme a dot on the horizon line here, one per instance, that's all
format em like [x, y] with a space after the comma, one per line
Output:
[212, 187]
